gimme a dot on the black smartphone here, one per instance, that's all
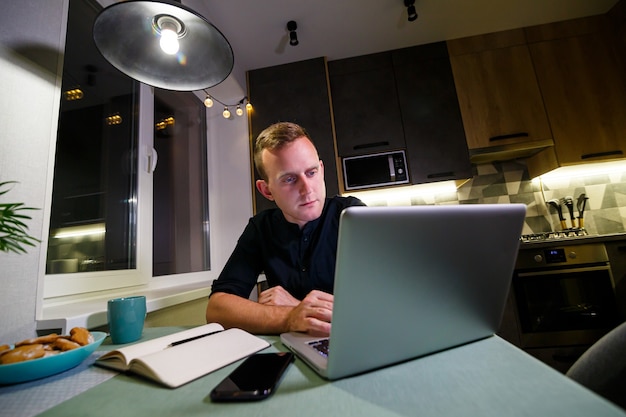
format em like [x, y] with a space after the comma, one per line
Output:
[255, 379]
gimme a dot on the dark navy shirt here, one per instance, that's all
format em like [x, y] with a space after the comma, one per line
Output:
[298, 260]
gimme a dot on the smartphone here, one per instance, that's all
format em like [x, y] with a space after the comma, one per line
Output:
[255, 379]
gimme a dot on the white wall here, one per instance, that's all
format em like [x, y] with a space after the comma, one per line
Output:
[31, 39]
[31, 33]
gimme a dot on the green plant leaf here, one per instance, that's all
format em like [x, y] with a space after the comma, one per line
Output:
[13, 229]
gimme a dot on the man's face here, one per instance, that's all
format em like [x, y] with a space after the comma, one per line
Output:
[295, 181]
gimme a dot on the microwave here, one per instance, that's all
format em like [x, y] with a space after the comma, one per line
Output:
[375, 170]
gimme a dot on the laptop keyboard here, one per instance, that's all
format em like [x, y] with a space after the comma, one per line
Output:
[321, 346]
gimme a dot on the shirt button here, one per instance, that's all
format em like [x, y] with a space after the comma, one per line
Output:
[303, 269]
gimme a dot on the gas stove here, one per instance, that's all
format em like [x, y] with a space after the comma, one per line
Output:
[558, 235]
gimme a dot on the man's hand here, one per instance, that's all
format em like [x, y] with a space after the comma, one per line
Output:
[277, 296]
[312, 315]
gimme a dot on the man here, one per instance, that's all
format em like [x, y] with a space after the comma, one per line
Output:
[295, 245]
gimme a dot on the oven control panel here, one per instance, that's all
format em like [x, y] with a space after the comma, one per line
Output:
[555, 255]
[564, 255]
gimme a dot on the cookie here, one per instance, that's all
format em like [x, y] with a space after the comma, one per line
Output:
[64, 344]
[39, 340]
[81, 336]
[22, 353]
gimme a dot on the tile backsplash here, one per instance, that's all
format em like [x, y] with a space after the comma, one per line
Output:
[509, 182]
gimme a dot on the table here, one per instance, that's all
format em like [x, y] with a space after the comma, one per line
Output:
[488, 377]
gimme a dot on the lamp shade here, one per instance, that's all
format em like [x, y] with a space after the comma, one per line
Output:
[129, 35]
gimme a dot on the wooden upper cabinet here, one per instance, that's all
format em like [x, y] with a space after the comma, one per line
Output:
[583, 83]
[296, 92]
[365, 105]
[431, 117]
[500, 99]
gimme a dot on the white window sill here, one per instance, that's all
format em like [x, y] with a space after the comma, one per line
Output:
[90, 310]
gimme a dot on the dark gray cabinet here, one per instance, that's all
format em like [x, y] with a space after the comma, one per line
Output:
[401, 99]
[365, 105]
[296, 92]
[431, 117]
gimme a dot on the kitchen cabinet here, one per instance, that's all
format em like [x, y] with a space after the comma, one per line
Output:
[583, 84]
[500, 99]
[365, 105]
[431, 118]
[296, 92]
[401, 99]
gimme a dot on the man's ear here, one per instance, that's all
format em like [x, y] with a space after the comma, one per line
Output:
[261, 185]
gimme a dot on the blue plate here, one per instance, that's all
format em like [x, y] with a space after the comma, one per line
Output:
[39, 368]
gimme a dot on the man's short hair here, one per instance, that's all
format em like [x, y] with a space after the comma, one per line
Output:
[275, 137]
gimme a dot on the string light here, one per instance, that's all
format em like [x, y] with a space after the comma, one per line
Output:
[210, 100]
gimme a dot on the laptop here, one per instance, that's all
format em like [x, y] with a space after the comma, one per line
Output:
[412, 281]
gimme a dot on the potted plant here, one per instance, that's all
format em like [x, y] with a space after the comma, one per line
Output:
[13, 230]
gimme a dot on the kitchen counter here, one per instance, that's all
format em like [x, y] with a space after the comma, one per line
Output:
[489, 377]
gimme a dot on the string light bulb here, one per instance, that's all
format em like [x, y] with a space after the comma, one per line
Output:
[239, 106]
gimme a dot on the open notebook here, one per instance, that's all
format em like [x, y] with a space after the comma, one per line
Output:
[411, 281]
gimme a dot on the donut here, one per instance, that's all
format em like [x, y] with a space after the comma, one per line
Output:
[81, 336]
[38, 340]
[64, 344]
[22, 353]
[4, 349]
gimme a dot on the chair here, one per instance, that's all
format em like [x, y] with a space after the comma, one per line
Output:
[602, 368]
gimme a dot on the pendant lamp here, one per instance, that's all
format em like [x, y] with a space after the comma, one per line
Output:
[163, 44]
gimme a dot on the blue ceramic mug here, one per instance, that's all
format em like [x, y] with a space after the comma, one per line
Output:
[126, 317]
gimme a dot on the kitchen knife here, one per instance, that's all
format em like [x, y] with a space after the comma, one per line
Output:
[580, 205]
[556, 204]
[568, 201]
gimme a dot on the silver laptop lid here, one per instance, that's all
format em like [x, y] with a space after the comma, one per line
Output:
[415, 280]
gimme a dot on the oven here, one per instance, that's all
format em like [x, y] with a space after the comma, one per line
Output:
[565, 300]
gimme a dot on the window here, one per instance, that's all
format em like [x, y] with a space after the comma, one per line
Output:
[130, 194]
[180, 200]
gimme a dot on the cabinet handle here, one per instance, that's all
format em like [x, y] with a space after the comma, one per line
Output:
[441, 174]
[598, 154]
[509, 136]
[370, 145]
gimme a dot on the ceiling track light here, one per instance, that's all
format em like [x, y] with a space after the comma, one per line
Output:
[410, 9]
[210, 100]
[293, 36]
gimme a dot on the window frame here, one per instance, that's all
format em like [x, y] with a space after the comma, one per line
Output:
[72, 284]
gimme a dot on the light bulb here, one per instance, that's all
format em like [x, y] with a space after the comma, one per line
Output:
[226, 113]
[208, 101]
[239, 111]
[169, 41]
[248, 106]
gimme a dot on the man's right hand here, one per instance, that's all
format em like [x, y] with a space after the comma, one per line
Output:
[278, 296]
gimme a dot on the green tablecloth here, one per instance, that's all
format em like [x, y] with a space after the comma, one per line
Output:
[487, 378]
